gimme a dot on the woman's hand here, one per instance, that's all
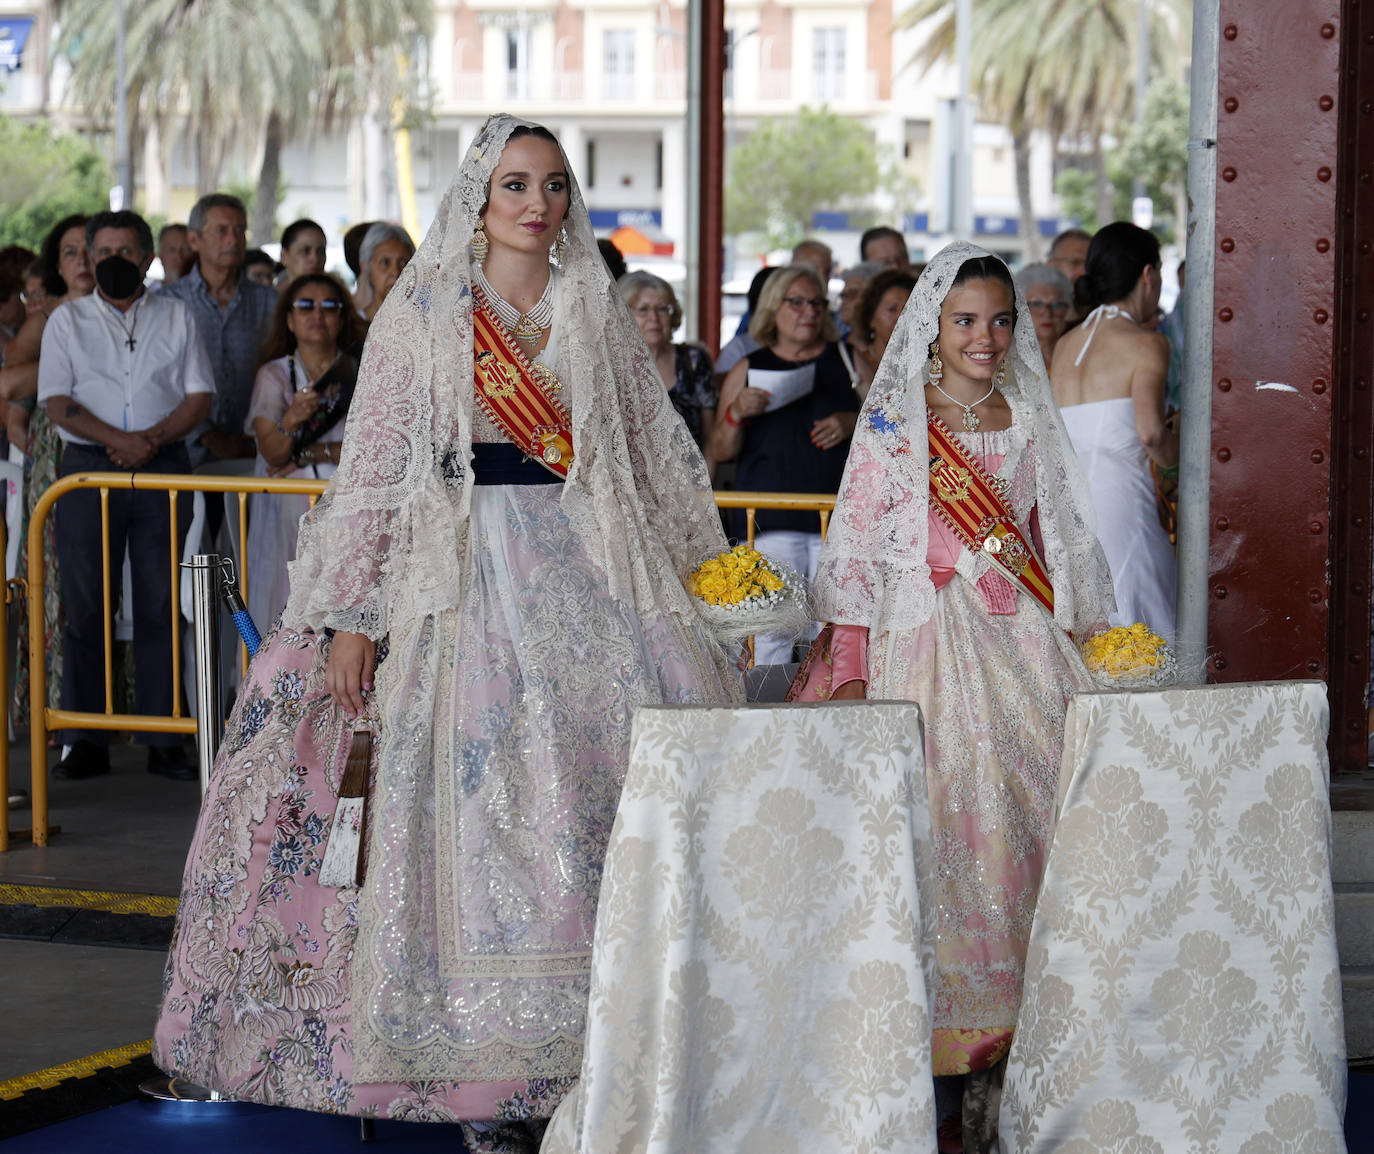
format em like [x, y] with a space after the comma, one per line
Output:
[833, 430]
[352, 658]
[302, 405]
[17, 426]
[750, 403]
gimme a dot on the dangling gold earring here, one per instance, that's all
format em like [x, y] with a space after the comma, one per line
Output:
[937, 366]
[999, 378]
[559, 242]
[480, 244]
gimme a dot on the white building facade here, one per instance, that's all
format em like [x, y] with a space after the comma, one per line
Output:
[609, 77]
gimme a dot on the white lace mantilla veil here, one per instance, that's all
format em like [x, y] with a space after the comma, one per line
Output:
[380, 547]
[873, 568]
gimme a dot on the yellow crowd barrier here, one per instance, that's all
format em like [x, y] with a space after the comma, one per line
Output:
[44, 719]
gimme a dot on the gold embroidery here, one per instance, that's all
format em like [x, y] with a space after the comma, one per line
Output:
[499, 379]
[952, 482]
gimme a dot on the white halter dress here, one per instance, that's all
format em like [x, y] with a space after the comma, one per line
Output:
[1118, 470]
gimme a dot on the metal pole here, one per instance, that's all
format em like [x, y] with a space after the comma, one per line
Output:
[1195, 447]
[962, 216]
[691, 241]
[711, 162]
[123, 169]
[1142, 76]
[206, 571]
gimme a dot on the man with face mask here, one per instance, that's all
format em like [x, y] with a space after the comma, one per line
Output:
[124, 376]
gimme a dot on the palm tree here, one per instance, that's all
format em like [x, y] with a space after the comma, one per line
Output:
[243, 69]
[188, 59]
[1066, 67]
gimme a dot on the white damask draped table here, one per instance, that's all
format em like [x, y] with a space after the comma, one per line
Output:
[764, 949]
[1182, 986]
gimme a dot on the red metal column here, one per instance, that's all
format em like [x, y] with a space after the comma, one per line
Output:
[1353, 431]
[710, 258]
[1275, 298]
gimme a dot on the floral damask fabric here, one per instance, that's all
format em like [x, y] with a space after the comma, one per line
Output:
[1182, 986]
[764, 957]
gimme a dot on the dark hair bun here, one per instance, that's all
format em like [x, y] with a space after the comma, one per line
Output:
[1117, 255]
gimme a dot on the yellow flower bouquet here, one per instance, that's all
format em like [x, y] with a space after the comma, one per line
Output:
[741, 592]
[1129, 657]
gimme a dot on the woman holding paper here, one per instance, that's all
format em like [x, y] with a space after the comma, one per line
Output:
[786, 413]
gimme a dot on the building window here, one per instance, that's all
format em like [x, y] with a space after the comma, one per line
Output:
[827, 63]
[618, 64]
[518, 51]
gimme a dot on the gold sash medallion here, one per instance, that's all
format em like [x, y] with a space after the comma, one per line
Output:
[518, 395]
[499, 380]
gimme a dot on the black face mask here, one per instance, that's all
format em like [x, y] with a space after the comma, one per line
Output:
[119, 279]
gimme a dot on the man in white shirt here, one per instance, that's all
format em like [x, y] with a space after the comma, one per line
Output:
[124, 376]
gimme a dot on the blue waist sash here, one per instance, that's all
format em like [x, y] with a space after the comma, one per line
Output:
[501, 463]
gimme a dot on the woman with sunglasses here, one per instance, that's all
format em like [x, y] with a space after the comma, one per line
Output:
[786, 414]
[300, 398]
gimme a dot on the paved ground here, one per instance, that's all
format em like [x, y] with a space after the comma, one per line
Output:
[128, 833]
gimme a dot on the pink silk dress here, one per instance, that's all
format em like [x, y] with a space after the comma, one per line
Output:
[992, 674]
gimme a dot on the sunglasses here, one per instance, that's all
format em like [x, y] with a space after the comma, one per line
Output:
[307, 305]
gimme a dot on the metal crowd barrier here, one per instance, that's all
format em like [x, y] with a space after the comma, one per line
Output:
[44, 719]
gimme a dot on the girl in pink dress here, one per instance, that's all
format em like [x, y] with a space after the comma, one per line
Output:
[921, 615]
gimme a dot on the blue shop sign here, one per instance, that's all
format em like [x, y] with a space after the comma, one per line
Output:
[14, 34]
[613, 218]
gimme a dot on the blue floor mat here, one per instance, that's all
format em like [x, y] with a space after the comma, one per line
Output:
[148, 1127]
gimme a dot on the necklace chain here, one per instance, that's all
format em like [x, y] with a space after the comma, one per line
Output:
[527, 326]
[970, 418]
[130, 329]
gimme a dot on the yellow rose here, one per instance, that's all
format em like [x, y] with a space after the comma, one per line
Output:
[713, 584]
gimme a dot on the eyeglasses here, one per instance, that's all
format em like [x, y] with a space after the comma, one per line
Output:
[801, 304]
[653, 310]
[1053, 306]
[307, 305]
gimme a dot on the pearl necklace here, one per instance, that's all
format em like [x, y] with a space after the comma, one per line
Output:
[971, 419]
[527, 327]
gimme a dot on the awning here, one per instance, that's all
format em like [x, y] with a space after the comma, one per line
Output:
[14, 34]
[644, 240]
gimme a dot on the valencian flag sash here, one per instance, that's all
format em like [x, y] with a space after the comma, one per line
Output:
[969, 500]
[519, 395]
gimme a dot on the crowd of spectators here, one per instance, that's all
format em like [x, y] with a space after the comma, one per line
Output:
[230, 362]
[235, 362]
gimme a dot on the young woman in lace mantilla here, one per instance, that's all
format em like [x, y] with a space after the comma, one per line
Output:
[919, 614]
[501, 600]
